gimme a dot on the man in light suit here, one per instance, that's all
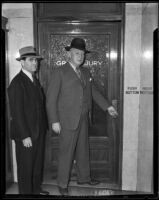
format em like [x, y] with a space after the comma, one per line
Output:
[68, 102]
[28, 123]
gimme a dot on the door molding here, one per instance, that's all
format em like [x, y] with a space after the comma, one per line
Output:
[8, 168]
[120, 17]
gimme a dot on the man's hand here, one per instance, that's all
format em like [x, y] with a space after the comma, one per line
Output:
[56, 127]
[27, 142]
[112, 111]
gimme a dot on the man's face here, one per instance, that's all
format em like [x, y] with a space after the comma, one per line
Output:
[30, 64]
[76, 56]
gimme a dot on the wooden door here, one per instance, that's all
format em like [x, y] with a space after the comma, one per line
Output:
[103, 39]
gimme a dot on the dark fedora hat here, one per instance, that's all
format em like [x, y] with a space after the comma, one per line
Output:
[28, 51]
[78, 43]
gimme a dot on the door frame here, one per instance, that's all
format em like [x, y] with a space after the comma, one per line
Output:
[112, 18]
[7, 147]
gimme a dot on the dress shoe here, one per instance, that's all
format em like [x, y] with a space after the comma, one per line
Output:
[91, 182]
[63, 191]
[44, 192]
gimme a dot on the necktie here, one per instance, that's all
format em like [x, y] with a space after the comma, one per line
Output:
[37, 86]
[78, 72]
[34, 79]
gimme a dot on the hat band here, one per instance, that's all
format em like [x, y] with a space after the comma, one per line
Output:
[29, 54]
[76, 47]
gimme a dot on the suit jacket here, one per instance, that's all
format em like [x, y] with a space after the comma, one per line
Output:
[65, 96]
[28, 116]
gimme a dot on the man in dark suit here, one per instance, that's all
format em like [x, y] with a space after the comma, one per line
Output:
[68, 102]
[28, 123]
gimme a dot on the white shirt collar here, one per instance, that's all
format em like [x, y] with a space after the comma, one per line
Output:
[73, 66]
[28, 74]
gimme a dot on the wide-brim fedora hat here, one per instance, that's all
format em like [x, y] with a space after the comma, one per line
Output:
[78, 43]
[28, 51]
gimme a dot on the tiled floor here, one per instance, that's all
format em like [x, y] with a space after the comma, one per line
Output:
[73, 190]
[50, 184]
[76, 190]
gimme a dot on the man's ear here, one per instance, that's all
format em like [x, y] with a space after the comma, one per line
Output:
[22, 62]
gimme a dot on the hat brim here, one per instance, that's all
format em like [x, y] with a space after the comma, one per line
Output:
[33, 56]
[69, 47]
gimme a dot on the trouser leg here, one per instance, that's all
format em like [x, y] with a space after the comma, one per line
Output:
[82, 151]
[67, 143]
[24, 168]
[38, 164]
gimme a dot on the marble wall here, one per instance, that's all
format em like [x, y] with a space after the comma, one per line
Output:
[20, 34]
[140, 22]
[145, 135]
[132, 49]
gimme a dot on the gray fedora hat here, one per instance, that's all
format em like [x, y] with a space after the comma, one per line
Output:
[28, 51]
[78, 43]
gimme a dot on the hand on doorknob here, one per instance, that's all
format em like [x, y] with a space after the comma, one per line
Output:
[112, 112]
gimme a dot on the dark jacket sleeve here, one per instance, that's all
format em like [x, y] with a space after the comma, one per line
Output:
[16, 102]
[52, 96]
[102, 102]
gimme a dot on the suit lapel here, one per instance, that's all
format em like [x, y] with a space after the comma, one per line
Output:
[71, 71]
[83, 77]
[73, 74]
[28, 81]
[24, 76]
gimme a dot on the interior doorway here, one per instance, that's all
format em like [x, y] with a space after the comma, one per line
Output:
[103, 40]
